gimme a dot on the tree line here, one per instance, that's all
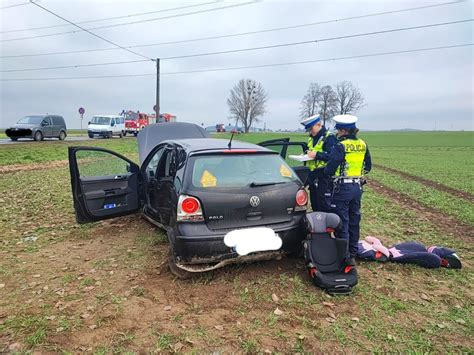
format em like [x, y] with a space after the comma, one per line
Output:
[248, 99]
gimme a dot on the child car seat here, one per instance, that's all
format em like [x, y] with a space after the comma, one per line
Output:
[326, 256]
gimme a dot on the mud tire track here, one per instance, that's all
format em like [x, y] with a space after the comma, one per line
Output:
[14, 168]
[447, 224]
[437, 186]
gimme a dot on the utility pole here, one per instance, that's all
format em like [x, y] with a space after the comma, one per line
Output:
[157, 103]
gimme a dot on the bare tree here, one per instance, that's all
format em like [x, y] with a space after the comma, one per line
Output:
[327, 103]
[309, 103]
[349, 99]
[247, 102]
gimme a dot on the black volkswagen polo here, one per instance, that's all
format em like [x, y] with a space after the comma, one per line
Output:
[198, 189]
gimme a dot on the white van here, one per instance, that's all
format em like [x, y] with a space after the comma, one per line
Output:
[106, 126]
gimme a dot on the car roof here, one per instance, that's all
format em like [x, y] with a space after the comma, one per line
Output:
[209, 144]
[108, 116]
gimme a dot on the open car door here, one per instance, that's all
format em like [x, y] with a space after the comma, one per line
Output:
[104, 184]
[285, 148]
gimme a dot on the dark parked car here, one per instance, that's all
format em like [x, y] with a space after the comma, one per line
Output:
[38, 127]
[196, 189]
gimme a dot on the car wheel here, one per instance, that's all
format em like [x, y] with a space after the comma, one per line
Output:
[135, 134]
[62, 135]
[38, 136]
[109, 135]
[120, 135]
[124, 133]
[14, 139]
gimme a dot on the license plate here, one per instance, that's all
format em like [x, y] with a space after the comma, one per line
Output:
[251, 240]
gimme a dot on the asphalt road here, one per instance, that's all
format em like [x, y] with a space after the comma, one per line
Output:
[21, 141]
[69, 139]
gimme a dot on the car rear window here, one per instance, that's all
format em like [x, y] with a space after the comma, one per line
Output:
[240, 170]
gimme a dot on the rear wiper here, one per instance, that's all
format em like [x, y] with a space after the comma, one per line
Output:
[256, 184]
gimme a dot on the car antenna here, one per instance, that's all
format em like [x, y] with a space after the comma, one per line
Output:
[232, 136]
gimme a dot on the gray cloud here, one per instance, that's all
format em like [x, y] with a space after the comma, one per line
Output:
[407, 90]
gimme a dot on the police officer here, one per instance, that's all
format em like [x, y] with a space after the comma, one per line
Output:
[348, 161]
[320, 143]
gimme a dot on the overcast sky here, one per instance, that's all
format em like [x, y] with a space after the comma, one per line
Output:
[416, 90]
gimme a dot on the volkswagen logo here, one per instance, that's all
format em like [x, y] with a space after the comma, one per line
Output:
[254, 201]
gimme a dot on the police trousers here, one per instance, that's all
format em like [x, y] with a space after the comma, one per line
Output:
[320, 186]
[346, 203]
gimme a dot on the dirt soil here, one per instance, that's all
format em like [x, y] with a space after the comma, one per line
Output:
[106, 288]
[34, 166]
[450, 190]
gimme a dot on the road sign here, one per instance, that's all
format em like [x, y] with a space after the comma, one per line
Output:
[82, 110]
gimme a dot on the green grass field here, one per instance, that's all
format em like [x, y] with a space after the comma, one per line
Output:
[104, 287]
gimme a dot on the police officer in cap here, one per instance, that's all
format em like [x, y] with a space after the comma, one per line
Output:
[348, 162]
[320, 143]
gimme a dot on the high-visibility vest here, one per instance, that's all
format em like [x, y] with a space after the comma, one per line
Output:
[316, 164]
[353, 164]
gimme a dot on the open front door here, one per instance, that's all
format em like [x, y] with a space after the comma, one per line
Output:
[104, 184]
[286, 148]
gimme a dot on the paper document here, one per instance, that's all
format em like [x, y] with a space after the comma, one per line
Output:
[301, 157]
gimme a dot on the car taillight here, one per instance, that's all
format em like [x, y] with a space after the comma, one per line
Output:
[301, 200]
[190, 205]
[189, 209]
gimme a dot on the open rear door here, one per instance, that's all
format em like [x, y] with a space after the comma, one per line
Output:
[104, 184]
[285, 148]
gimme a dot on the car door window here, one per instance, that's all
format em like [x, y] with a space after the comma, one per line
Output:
[165, 167]
[153, 164]
[46, 122]
[97, 163]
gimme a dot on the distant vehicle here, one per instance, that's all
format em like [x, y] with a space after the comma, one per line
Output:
[136, 121]
[167, 117]
[220, 127]
[197, 190]
[237, 130]
[106, 126]
[211, 129]
[38, 127]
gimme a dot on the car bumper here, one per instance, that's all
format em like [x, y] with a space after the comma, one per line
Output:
[197, 248]
[19, 133]
[98, 133]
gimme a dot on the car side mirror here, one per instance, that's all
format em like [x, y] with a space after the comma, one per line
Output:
[89, 122]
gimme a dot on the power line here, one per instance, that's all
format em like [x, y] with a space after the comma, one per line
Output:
[314, 41]
[16, 5]
[132, 22]
[92, 33]
[111, 18]
[249, 66]
[242, 33]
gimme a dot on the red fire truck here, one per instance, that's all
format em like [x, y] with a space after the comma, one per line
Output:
[136, 121]
[167, 117]
[220, 127]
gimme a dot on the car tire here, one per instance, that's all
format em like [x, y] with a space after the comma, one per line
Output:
[124, 133]
[91, 136]
[62, 135]
[135, 134]
[109, 135]
[38, 136]
[14, 139]
[120, 135]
